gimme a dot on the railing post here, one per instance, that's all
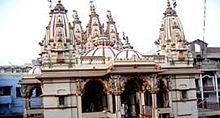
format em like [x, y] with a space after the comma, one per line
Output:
[201, 87]
[216, 88]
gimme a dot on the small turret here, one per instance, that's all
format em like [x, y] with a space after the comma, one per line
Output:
[94, 29]
[58, 24]
[57, 46]
[78, 33]
[112, 32]
[171, 41]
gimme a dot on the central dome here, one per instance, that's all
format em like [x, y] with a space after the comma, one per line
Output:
[100, 55]
[106, 51]
[128, 54]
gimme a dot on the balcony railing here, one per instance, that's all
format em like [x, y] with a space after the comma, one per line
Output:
[209, 105]
[208, 88]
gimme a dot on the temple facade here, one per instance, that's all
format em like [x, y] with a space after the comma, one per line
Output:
[91, 73]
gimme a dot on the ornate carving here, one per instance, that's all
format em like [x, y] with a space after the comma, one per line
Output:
[78, 87]
[82, 85]
[144, 85]
[106, 87]
[150, 83]
[116, 84]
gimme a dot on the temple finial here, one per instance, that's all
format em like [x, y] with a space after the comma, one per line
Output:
[174, 4]
[75, 14]
[50, 2]
[92, 5]
[109, 15]
[127, 43]
[168, 3]
[59, 1]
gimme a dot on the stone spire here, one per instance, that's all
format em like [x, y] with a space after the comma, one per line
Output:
[57, 46]
[94, 29]
[78, 33]
[92, 6]
[112, 32]
[95, 34]
[171, 41]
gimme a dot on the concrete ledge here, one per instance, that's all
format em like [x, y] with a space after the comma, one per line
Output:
[208, 112]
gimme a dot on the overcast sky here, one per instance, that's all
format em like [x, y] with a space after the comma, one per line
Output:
[23, 22]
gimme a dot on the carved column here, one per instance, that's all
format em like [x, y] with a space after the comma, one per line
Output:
[26, 107]
[133, 112]
[201, 87]
[216, 87]
[104, 102]
[154, 105]
[153, 88]
[141, 103]
[118, 106]
[25, 91]
[110, 103]
[142, 97]
[115, 86]
[79, 98]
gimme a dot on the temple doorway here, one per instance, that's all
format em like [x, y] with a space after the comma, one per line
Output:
[130, 98]
[94, 99]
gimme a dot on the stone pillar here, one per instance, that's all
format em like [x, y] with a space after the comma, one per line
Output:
[170, 99]
[149, 101]
[117, 106]
[28, 103]
[26, 107]
[79, 98]
[141, 103]
[79, 106]
[115, 87]
[213, 82]
[153, 88]
[133, 112]
[154, 106]
[25, 92]
[216, 88]
[110, 103]
[104, 102]
[201, 87]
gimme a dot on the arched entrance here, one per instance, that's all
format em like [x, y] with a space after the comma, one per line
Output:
[130, 98]
[94, 99]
